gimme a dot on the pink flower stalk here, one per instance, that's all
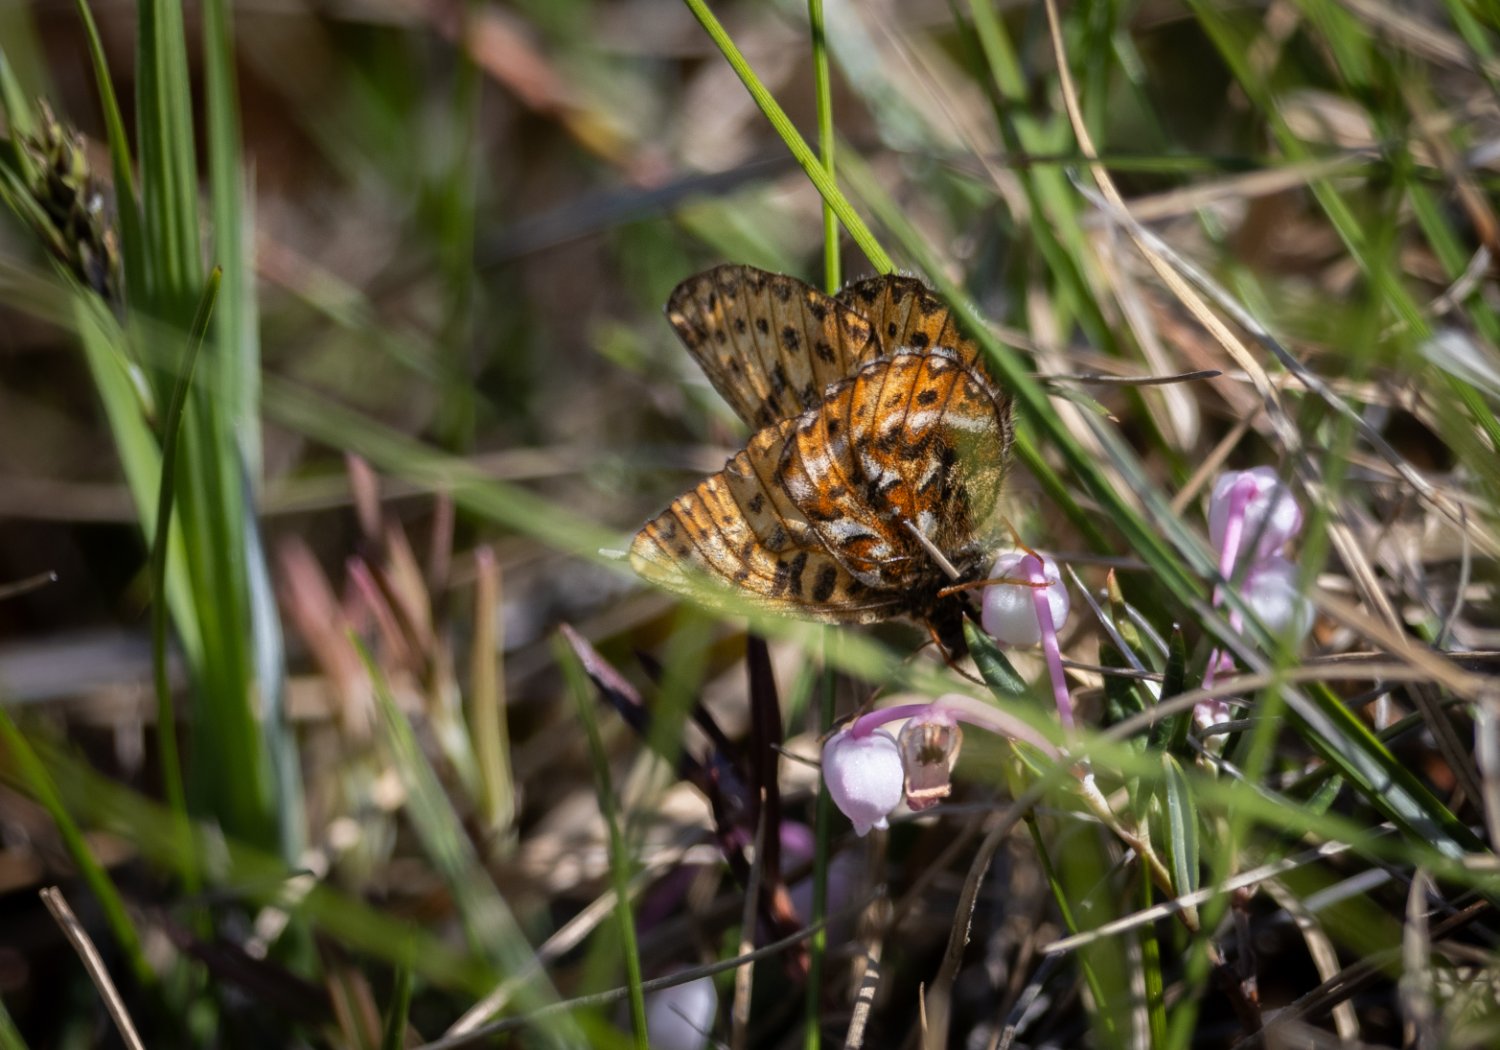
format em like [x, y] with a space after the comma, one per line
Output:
[1030, 611]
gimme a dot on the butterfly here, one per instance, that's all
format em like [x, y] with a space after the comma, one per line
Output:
[874, 419]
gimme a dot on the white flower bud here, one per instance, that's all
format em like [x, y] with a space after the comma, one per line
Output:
[682, 1017]
[1009, 611]
[1272, 592]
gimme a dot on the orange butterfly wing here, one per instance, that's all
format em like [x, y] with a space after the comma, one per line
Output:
[905, 313]
[917, 440]
[810, 519]
[737, 537]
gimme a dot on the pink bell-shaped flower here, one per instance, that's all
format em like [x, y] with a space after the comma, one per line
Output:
[864, 776]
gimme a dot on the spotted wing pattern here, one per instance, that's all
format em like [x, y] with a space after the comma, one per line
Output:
[904, 313]
[770, 344]
[811, 518]
[917, 440]
[739, 529]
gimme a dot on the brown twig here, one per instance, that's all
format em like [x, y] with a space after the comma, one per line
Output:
[94, 963]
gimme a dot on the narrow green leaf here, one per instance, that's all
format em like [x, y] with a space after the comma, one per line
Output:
[18, 116]
[619, 857]
[1172, 734]
[166, 715]
[811, 166]
[1345, 741]
[168, 164]
[10, 1035]
[824, 92]
[993, 667]
[114, 377]
[394, 1035]
[1151, 973]
[1181, 820]
[1121, 696]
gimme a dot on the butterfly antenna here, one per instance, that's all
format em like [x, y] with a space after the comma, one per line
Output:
[931, 548]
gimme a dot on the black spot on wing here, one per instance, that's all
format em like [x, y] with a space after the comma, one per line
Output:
[828, 578]
[794, 575]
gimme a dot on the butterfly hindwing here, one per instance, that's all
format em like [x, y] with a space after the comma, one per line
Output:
[770, 344]
[913, 440]
[736, 531]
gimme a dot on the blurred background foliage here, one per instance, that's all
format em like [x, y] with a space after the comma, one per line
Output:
[436, 383]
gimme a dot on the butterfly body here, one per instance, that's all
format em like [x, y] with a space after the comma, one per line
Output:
[874, 418]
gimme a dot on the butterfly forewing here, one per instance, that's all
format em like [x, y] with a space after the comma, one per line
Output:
[905, 314]
[770, 344]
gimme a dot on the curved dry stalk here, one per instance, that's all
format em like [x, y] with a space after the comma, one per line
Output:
[869, 979]
[93, 962]
[1320, 949]
[1416, 985]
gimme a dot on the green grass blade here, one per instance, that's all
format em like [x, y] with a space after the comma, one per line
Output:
[113, 376]
[393, 1037]
[994, 668]
[1181, 827]
[1151, 975]
[236, 397]
[10, 1035]
[619, 855]
[798, 146]
[34, 778]
[166, 715]
[822, 88]
[231, 773]
[235, 325]
[1387, 784]
[18, 116]
[169, 180]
